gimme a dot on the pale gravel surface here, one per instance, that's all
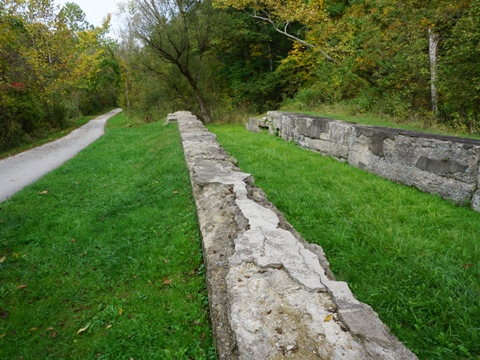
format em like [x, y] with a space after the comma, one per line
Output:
[22, 169]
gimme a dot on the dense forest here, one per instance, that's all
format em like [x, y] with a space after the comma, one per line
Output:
[406, 59]
[54, 67]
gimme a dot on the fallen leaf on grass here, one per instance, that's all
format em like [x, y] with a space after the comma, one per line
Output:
[50, 329]
[33, 329]
[23, 286]
[53, 334]
[3, 259]
[165, 261]
[4, 313]
[73, 240]
[328, 318]
[44, 192]
[108, 326]
[166, 281]
[120, 312]
[175, 192]
[83, 329]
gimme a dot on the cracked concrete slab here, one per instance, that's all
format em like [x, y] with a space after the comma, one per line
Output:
[272, 295]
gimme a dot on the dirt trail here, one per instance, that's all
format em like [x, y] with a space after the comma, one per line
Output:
[21, 170]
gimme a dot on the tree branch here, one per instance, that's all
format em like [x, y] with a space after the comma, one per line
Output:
[293, 37]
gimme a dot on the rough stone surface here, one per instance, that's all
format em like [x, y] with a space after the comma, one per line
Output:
[256, 125]
[443, 165]
[272, 295]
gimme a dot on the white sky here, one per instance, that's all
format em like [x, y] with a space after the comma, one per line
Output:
[96, 10]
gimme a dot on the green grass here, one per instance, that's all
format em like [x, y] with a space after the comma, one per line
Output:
[414, 257]
[113, 248]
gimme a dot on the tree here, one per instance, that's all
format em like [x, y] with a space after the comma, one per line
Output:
[284, 15]
[248, 54]
[73, 17]
[50, 58]
[178, 33]
[460, 71]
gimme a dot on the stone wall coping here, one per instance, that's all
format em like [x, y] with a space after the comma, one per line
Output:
[393, 130]
[445, 165]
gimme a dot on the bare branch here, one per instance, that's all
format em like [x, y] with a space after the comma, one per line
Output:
[287, 34]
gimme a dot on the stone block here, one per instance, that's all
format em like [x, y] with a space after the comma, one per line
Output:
[253, 125]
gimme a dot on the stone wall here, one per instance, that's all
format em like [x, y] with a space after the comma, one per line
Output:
[443, 165]
[271, 294]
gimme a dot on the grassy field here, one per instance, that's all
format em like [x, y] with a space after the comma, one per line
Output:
[414, 257]
[101, 259]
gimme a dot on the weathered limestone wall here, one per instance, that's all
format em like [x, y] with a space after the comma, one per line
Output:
[444, 165]
[271, 294]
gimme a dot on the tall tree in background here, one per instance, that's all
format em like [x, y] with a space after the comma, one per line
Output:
[249, 53]
[459, 70]
[178, 32]
[386, 56]
[283, 15]
[51, 62]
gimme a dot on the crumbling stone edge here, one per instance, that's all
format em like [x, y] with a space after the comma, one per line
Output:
[271, 294]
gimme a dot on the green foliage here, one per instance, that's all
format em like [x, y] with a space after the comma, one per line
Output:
[20, 114]
[331, 84]
[250, 53]
[175, 38]
[53, 67]
[460, 72]
[382, 64]
[412, 256]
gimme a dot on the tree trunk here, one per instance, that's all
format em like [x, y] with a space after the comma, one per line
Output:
[433, 40]
[127, 96]
[203, 109]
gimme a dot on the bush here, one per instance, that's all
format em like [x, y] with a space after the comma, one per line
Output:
[21, 114]
[333, 84]
[460, 73]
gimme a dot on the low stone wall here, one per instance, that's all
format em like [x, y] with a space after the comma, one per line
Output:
[271, 294]
[443, 165]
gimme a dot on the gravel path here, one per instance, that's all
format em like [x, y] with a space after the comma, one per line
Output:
[21, 170]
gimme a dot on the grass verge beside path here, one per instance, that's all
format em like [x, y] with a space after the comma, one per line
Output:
[101, 259]
[54, 134]
[414, 257]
